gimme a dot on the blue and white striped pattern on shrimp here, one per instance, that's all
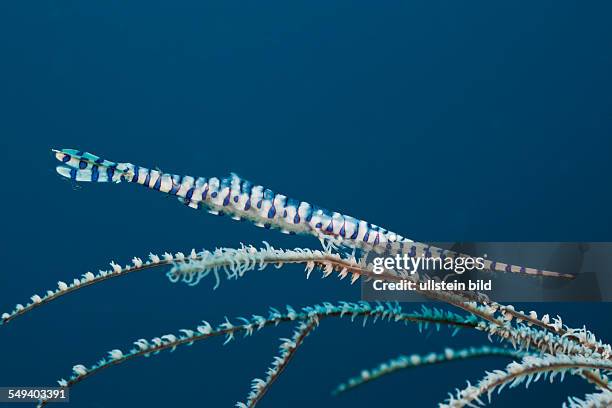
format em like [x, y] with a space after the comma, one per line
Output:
[241, 199]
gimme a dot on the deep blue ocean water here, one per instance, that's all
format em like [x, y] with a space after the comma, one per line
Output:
[440, 120]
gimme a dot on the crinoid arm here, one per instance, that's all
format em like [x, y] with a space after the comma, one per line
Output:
[403, 362]
[596, 400]
[288, 348]
[221, 263]
[306, 318]
[89, 279]
[529, 370]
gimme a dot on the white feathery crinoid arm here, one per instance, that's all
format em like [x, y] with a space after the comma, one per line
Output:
[89, 278]
[287, 349]
[595, 400]
[235, 262]
[529, 370]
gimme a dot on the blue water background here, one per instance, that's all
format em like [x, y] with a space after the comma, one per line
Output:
[441, 120]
